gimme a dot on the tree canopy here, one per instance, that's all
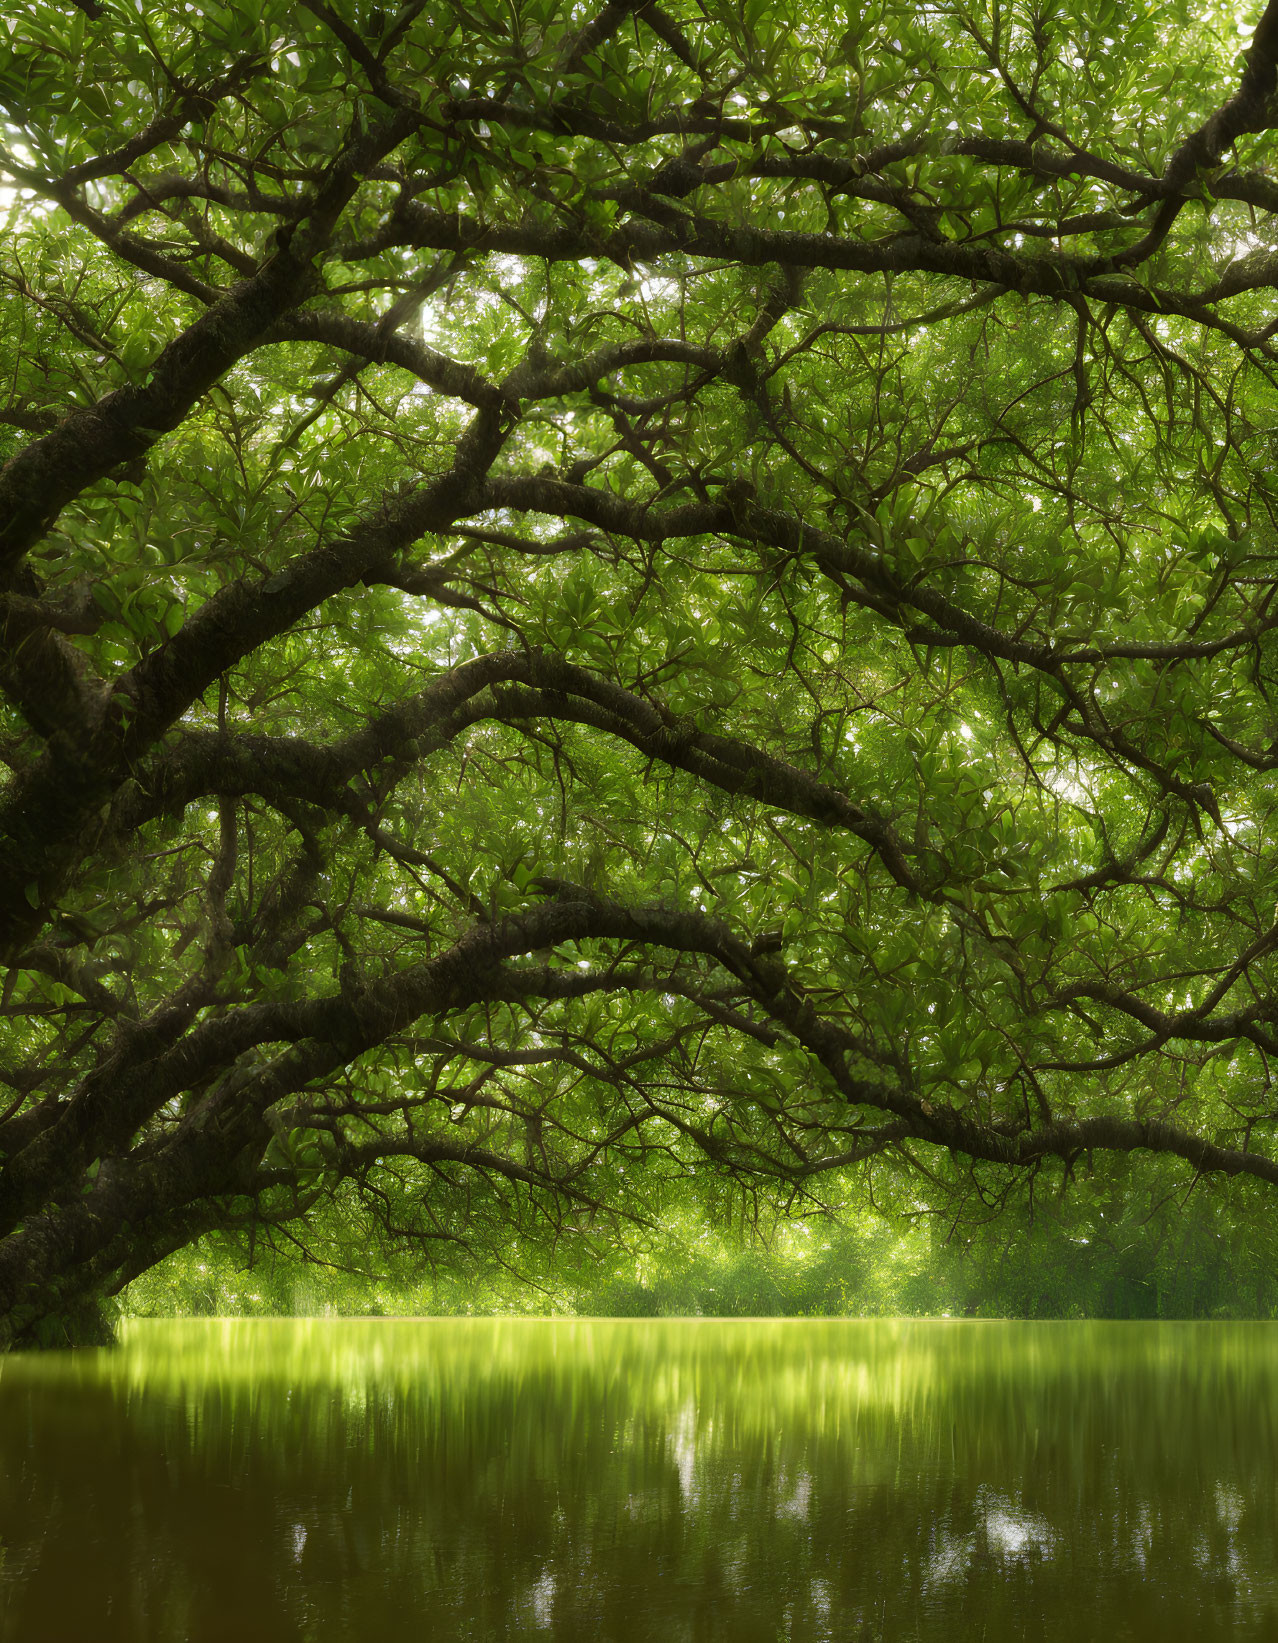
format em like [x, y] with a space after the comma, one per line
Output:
[607, 607]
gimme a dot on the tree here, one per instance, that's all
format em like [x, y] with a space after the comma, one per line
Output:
[612, 608]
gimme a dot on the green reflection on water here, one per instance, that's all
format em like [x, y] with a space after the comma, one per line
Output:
[499, 1478]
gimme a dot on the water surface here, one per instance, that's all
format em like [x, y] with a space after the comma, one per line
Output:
[230, 1482]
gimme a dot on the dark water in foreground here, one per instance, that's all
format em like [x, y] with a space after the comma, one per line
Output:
[493, 1479]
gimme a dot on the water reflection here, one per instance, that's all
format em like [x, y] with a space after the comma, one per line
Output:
[483, 1479]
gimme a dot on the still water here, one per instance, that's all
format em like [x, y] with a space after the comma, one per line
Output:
[229, 1482]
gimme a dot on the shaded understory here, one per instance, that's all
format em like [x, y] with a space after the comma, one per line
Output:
[1114, 1246]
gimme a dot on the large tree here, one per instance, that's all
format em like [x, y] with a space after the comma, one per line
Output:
[601, 605]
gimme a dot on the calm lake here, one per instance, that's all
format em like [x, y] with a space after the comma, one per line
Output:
[493, 1479]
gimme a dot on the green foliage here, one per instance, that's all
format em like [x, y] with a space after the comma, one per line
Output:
[620, 619]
